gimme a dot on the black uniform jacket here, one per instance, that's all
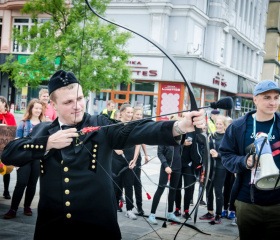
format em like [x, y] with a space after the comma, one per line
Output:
[76, 189]
[169, 157]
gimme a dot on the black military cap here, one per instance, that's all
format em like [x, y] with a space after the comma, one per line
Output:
[61, 79]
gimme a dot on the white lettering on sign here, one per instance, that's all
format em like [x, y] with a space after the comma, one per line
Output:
[145, 68]
[170, 88]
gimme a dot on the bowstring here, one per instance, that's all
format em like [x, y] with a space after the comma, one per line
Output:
[81, 57]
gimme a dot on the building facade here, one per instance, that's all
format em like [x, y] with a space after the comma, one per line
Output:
[271, 66]
[11, 18]
[219, 45]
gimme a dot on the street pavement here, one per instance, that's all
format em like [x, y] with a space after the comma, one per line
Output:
[22, 227]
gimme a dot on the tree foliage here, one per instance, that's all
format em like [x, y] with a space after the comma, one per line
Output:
[73, 39]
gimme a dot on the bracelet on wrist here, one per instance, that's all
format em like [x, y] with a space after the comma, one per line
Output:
[177, 129]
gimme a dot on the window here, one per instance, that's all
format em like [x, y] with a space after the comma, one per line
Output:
[236, 6]
[145, 86]
[247, 105]
[209, 96]
[251, 13]
[255, 18]
[197, 95]
[137, 94]
[22, 25]
[241, 9]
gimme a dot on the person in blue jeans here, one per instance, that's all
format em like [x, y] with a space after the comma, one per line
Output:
[27, 175]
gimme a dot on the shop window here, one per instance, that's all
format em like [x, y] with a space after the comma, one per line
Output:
[197, 92]
[197, 95]
[147, 103]
[125, 87]
[121, 97]
[247, 105]
[137, 94]
[145, 86]
[209, 95]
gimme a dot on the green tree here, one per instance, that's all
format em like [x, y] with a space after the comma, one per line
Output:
[73, 39]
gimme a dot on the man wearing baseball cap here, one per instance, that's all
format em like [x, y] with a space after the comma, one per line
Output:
[257, 207]
[265, 86]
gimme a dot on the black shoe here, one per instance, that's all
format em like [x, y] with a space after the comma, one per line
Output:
[207, 216]
[186, 215]
[141, 213]
[216, 220]
[27, 211]
[10, 214]
[119, 209]
[6, 195]
[177, 212]
[202, 203]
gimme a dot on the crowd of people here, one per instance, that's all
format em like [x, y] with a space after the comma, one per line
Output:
[37, 110]
[47, 148]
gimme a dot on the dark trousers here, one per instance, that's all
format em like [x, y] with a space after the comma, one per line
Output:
[27, 178]
[6, 181]
[257, 222]
[229, 180]
[138, 188]
[128, 180]
[117, 179]
[125, 180]
[189, 178]
[216, 185]
[163, 181]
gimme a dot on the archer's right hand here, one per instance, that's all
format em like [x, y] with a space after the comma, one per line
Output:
[62, 138]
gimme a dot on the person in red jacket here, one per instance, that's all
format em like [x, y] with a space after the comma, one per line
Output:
[6, 118]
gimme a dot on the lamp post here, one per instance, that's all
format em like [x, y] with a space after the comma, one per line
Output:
[222, 68]
[220, 84]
